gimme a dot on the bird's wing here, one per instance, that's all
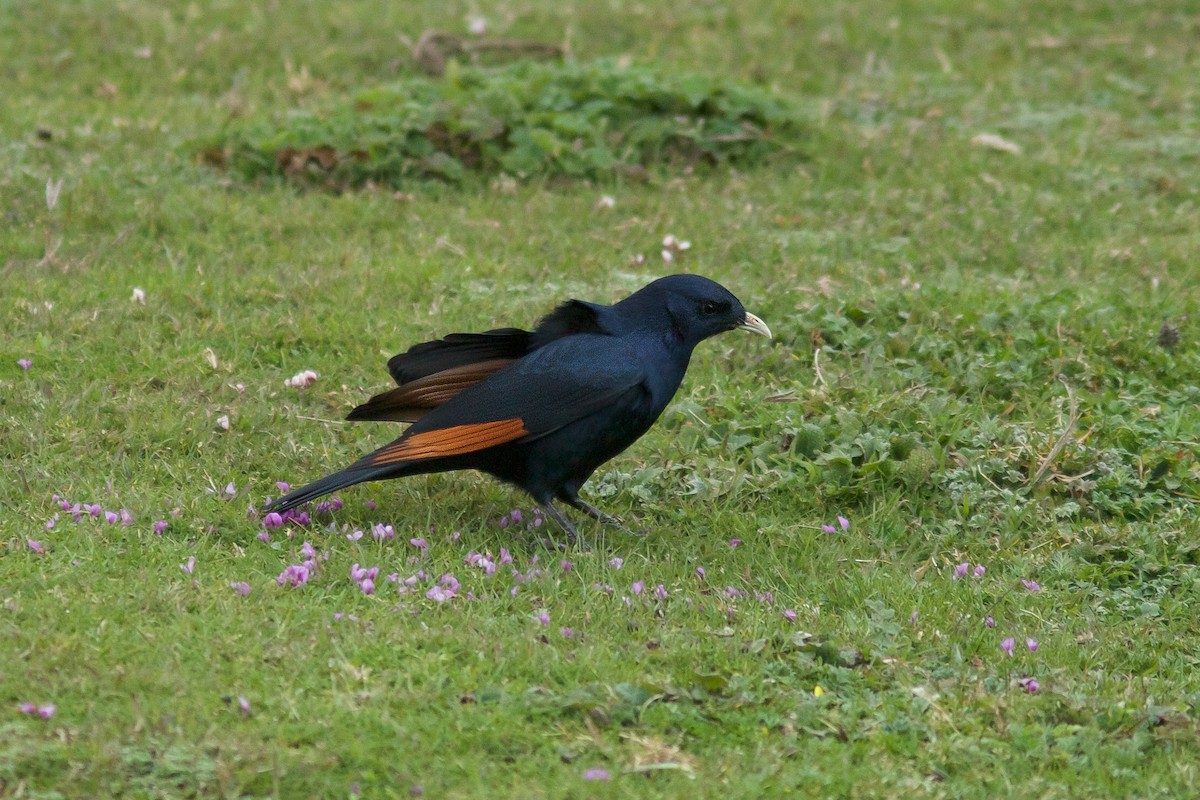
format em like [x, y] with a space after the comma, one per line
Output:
[457, 350]
[550, 388]
[412, 400]
[430, 373]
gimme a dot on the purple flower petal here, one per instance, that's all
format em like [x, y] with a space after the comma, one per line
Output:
[241, 587]
[190, 566]
[160, 526]
[244, 705]
[1031, 585]
[960, 571]
[844, 523]
[637, 587]
[596, 774]
[1008, 644]
[1032, 644]
[789, 615]
[36, 546]
[25, 363]
[829, 529]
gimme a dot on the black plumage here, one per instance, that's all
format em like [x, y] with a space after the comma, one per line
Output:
[542, 409]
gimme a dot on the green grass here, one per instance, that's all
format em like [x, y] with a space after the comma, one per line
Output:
[968, 366]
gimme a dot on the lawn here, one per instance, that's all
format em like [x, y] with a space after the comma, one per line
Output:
[939, 538]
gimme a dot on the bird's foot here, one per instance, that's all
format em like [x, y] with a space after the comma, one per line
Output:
[602, 516]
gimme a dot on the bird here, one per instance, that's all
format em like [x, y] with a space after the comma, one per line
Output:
[542, 409]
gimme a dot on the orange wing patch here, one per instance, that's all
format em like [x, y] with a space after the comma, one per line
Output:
[452, 441]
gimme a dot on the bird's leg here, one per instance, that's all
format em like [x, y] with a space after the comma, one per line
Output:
[592, 511]
[574, 501]
[563, 521]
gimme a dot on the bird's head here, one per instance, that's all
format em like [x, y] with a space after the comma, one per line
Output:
[694, 307]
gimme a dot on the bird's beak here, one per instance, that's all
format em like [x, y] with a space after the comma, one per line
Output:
[755, 325]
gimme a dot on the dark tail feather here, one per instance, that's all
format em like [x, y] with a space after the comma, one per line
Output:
[456, 350]
[329, 484]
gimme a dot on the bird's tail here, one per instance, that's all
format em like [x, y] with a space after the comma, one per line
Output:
[329, 484]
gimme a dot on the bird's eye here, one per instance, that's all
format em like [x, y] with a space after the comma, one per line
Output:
[710, 307]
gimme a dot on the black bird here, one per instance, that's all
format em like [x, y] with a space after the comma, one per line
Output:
[542, 409]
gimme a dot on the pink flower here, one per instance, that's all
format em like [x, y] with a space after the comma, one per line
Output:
[660, 592]
[616, 562]
[36, 546]
[190, 566]
[283, 486]
[263, 536]
[789, 615]
[637, 587]
[960, 571]
[160, 526]
[844, 523]
[230, 489]
[829, 529]
[596, 774]
[111, 517]
[294, 575]
[301, 380]
[241, 587]
[1029, 684]
[272, 520]
[566, 566]
[25, 363]
[1032, 644]
[44, 711]
[543, 618]
[567, 633]
[94, 509]
[419, 543]
[439, 595]
[700, 573]
[733, 543]
[243, 705]
[1031, 585]
[1008, 644]
[980, 570]
[367, 585]
[989, 622]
